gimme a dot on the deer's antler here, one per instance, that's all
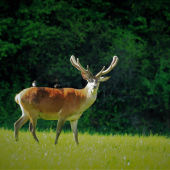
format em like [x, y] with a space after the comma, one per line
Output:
[112, 65]
[79, 67]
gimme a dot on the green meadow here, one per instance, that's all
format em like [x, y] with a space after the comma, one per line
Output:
[94, 151]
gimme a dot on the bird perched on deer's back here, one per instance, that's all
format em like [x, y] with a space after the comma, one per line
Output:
[34, 83]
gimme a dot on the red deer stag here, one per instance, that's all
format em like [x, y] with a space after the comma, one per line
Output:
[59, 104]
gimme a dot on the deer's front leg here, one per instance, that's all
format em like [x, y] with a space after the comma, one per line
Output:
[73, 124]
[59, 128]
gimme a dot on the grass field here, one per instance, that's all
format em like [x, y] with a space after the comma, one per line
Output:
[94, 151]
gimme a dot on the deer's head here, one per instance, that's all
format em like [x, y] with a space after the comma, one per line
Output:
[93, 81]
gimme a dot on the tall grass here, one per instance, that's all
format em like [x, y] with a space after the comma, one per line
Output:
[94, 152]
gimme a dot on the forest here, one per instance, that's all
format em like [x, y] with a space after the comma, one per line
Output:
[38, 37]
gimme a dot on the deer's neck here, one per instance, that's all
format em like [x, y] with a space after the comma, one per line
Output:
[87, 96]
[90, 93]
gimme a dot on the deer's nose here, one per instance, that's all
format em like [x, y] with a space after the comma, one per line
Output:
[95, 87]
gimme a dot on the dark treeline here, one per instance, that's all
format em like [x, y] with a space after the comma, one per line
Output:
[37, 38]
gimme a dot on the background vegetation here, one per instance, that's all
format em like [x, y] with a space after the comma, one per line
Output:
[37, 38]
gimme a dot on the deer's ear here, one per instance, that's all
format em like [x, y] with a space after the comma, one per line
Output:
[102, 79]
[85, 76]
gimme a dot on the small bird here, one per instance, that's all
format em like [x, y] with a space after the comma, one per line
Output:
[34, 83]
[56, 86]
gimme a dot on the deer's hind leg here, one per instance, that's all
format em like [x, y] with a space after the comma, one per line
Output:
[19, 123]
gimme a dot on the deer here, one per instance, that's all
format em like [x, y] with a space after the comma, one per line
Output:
[62, 104]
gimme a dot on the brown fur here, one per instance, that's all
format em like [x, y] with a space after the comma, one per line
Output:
[51, 101]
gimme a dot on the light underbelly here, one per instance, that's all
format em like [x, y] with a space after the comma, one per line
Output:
[49, 116]
[55, 116]
[74, 117]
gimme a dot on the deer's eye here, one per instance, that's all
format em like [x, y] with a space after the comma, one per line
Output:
[91, 80]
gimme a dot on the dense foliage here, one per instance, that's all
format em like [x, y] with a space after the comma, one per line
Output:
[37, 38]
